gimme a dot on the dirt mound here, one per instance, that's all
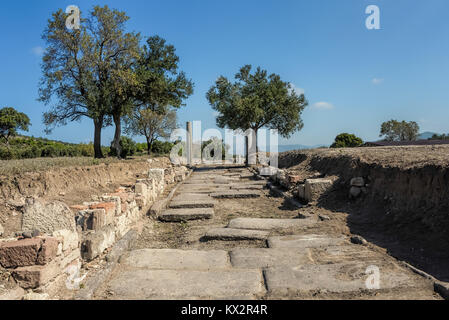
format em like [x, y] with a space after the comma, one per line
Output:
[71, 185]
[406, 207]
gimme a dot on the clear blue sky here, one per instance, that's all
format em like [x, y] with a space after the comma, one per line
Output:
[354, 78]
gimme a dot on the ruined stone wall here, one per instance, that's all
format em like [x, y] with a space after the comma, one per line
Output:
[55, 237]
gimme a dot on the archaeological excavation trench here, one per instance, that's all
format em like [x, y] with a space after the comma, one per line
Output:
[313, 230]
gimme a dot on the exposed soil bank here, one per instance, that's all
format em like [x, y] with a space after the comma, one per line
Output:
[406, 208]
[71, 185]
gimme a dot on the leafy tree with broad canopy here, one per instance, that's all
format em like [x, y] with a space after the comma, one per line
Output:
[347, 140]
[394, 130]
[161, 91]
[151, 124]
[11, 121]
[86, 70]
[257, 100]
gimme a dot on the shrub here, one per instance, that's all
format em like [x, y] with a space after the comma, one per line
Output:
[347, 140]
[128, 147]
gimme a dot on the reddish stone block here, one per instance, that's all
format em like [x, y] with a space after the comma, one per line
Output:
[20, 253]
[109, 207]
[79, 207]
[33, 277]
[48, 251]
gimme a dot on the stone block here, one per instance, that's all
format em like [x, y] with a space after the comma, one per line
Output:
[141, 188]
[69, 239]
[47, 217]
[268, 171]
[109, 207]
[48, 251]
[315, 188]
[19, 253]
[301, 191]
[97, 242]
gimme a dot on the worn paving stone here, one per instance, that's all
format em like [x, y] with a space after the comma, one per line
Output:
[343, 253]
[185, 204]
[227, 234]
[173, 259]
[269, 224]
[191, 196]
[241, 194]
[178, 215]
[335, 278]
[304, 241]
[264, 258]
[182, 284]
[247, 186]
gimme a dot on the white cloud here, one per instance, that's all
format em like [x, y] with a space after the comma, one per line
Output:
[323, 105]
[298, 91]
[38, 51]
[377, 81]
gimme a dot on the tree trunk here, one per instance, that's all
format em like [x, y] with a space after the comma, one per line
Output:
[98, 123]
[117, 135]
[149, 145]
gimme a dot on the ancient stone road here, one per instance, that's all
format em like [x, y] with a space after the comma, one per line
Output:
[286, 261]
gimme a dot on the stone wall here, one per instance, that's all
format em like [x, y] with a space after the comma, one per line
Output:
[55, 237]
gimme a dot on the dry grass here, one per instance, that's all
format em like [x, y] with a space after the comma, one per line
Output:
[404, 157]
[11, 167]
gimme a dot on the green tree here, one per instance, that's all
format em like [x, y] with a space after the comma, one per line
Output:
[160, 83]
[347, 140]
[439, 137]
[11, 121]
[257, 100]
[161, 89]
[151, 124]
[394, 130]
[82, 67]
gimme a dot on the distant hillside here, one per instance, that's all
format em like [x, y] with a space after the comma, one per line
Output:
[426, 135]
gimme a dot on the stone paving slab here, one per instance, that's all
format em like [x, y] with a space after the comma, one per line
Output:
[247, 186]
[263, 258]
[181, 284]
[191, 196]
[269, 224]
[241, 194]
[227, 234]
[304, 241]
[178, 215]
[177, 259]
[343, 253]
[335, 278]
[206, 191]
[186, 204]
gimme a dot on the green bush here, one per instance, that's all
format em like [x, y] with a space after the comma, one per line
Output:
[347, 140]
[30, 147]
[128, 147]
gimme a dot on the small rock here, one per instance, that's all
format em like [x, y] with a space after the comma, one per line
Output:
[354, 192]
[358, 240]
[27, 235]
[36, 233]
[358, 182]
[1, 230]
[62, 194]
[324, 217]
[33, 296]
